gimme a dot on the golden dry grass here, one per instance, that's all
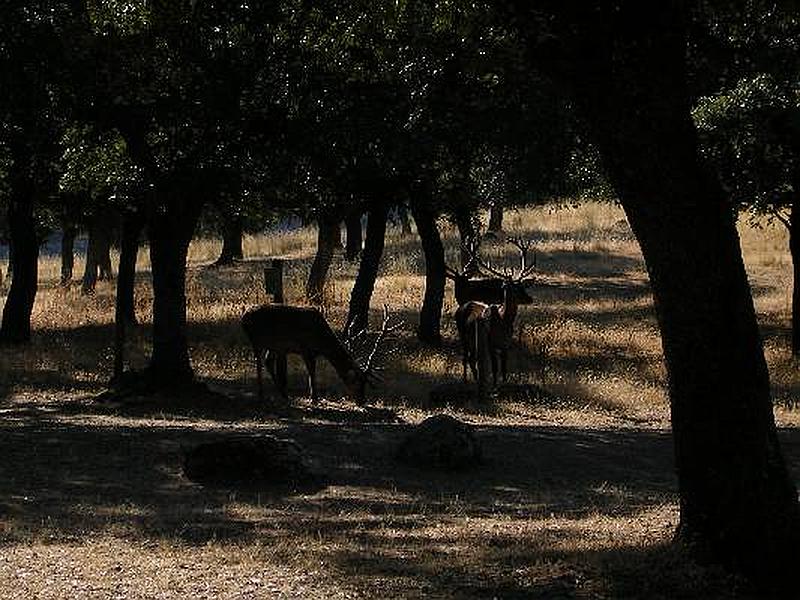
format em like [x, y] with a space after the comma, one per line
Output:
[577, 498]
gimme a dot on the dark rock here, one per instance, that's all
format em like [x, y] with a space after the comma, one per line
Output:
[441, 442]
[247, 461]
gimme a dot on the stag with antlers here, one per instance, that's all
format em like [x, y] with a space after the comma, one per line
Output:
[275, 328]
[486, 329]
[486, 289]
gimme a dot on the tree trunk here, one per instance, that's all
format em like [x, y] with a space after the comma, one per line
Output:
[358, 314]
[738, 503]
[169, 237]
[496, 218]
[105, 273]
[90, 268]
[232, 234]
[405, 223]
[465, 222]
[430, 316]
[98, 254]
[125, 313]
[328, 238]
[69, 232]
[16, 324]
[353, 226]
[132, 225]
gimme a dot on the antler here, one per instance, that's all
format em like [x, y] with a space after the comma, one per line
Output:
[485, 266]
[353, 338]
[525, 269]
[386, 329]
[523, 246]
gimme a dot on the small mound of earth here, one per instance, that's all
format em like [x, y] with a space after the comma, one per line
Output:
[247, 461]
[441, 442]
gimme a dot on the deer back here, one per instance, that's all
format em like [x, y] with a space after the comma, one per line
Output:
[488, 291]
[296, 330]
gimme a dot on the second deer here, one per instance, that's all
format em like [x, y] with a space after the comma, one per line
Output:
[486, 329]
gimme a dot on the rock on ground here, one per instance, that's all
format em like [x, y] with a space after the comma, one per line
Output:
[441, 442]
[247, 460]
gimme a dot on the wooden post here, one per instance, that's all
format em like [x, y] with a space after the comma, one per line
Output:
[273, 284]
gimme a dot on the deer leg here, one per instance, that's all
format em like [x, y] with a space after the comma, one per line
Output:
[493, 356]
[311, 367]
[271, 358]
[504, 363]
[260, 374]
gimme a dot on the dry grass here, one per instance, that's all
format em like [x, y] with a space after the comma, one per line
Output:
[577, 498]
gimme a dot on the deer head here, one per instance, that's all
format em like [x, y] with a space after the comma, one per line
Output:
[514, 282]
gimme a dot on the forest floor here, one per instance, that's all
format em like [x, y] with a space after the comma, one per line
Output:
[576, 497]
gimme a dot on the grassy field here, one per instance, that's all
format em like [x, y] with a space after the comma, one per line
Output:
[576, 499]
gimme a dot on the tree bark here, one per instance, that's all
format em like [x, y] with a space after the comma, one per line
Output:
[125, 313]
[98, 254]
[69, 232]
[131, 231]
[90, 267]
[430, 316]
[328, 238]
[232, 234]
[738, 503]
[169, 235]
[105, 272]
[16, 324]
[496, 218]
[465, 222]
[405, 223]
[358, 314]
[354, 242]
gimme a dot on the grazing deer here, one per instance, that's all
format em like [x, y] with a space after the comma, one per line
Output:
[277, 328]
[486, 329]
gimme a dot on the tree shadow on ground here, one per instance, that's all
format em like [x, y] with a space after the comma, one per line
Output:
[68, 476]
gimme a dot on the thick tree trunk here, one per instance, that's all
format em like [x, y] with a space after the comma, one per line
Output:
[68, 234]
[232, 234]
[353, 243]
[169, 237]
[328, 239]
[738, 503]
[16, 324]
[358, 314]
[430, 316]
[496, 218]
